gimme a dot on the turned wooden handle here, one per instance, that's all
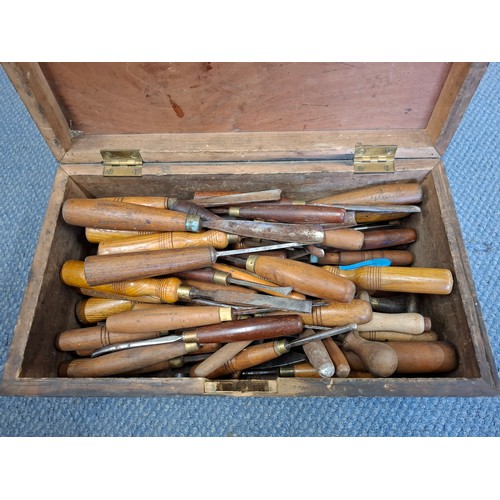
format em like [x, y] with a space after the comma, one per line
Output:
[397, 257]
[103, 269]
[147, 201]
[166, 241]
[304, 370]
[117, 215]
[380, 359]
[342, 368]
[303, 277]
[94, 337]
[96, 235]
[416, 357]
[216, 360]
[393, 194]
[93, 310]
[386, 336]
[411, 323]
[399, 279]
[167, 317]
[384, 238]
[124, 361]
[318, 356]
[295, 214]
[345, 239]
[337, 314]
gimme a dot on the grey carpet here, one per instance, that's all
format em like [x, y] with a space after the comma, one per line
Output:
[26, 175]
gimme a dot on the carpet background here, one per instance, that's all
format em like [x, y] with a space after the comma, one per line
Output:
[26, 177]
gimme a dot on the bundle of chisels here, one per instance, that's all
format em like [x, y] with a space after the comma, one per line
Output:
[252, 285]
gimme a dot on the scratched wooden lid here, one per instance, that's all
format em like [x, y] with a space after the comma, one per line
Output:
[244, 111]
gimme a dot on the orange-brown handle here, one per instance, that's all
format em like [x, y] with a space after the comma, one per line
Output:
[394, 194]
[167, 317]
[147, 201]
[342, 368]
[344, 239]
[380, 359]
[411, 323]
[94, 337]
[127, 216]
[337, 314]
[304, 370]
[93, 310]
[147, 299]
[166, 241]
[218, 358]
[103, 269]
[399, 279]
[384, 238]
[96, 235]
[303, 277]
[124, 361]
[397, 257]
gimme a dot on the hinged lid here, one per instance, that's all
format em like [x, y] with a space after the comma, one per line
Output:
[200, 112]
[122, 163]
[374, 159]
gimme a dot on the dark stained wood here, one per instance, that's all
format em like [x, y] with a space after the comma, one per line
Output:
[148, 98]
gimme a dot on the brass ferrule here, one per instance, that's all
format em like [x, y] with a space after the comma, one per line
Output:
[192, 346]
[298, 202]
[189, 337]
[170, 202]
[225, 314]
[184, 293]
[280, 347]
[221, 277]
[250, 263]
[232, 238]
[287, 371]
[234, 211]
[193, 223]
[176, 362]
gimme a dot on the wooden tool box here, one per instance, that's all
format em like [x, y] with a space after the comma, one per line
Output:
[183, 127]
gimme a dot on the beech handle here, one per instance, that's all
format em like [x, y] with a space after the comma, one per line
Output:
[125, 216]
[344, 239]
[216, 360]
[411, 323]
[93, 310]
[96, 235]
[124, 361]
[342, 368]
[148, 201]
[380, 359]
[318, 356]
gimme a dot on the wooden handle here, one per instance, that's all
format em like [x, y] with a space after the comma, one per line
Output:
[317, 355]
[295, 214]
[201, 285]
[393, 194]
[126, 216]
[103, 269]
[399, 279]
[94, 337]
[91, 292]
[167, 317]
[380, 359]
[224, 354]
[416, 357]
[345, 239]
[124, 361]
[397, 257]
[247, 329]
[166, 241]
[96, 235]
[412, 323]
[384, 238]
[303, 277]
[383, 336]
[93, 310]
[337, 314]
[300, 370]
[147, 201]
[251, 356]
[342, 368]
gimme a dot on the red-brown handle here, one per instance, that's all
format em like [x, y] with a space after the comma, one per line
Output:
[295, 214]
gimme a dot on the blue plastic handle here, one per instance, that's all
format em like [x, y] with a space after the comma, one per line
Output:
[364, 263]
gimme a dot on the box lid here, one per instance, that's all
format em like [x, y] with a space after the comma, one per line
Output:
[244, 111]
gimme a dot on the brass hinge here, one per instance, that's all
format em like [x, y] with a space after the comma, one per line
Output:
[374, 159]
[121, 162]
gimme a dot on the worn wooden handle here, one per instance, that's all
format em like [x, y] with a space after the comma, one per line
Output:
[147, 201]
[384, 238]
[103, 269]
[166, 241]
[303, 277]
[296, 214]
[399, 279]
[124, 361]
[380, 359]
[386, 336]
[342, 368]
[96, 235]
[412, 323]
[394, 194]
[167, 317]
[397, 257]
[93, 310]
[318, 356]
[216, 360]
[345, 239]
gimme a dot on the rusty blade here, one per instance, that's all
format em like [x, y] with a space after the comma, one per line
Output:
[299, 233]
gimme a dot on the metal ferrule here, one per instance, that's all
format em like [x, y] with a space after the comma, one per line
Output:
[220, 278]
[226, 314]
[250, 262]
[280, 347]
[176, 362]
[184, 293]
[192, 346]
[193, 223]
[234, 211]
[298, 202]
[233, 238]
[189, 337]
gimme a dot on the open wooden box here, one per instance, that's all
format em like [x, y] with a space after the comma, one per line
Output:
[246, 126]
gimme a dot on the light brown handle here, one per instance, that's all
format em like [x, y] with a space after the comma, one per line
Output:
[399, 279]
[93, 310]
[303, 277]
[126, 216]
[317, 355]
[380, 359]
[342, 368]
[411, 323]
[166, 241]
[124, 361]
[147, 201]
[167, 317]
[345, 239]
[300, 370]
[103, 269]
[383, 336]
[397, 257]
[216, 360]
[96, 235]
[94, 337]
[394, 194]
